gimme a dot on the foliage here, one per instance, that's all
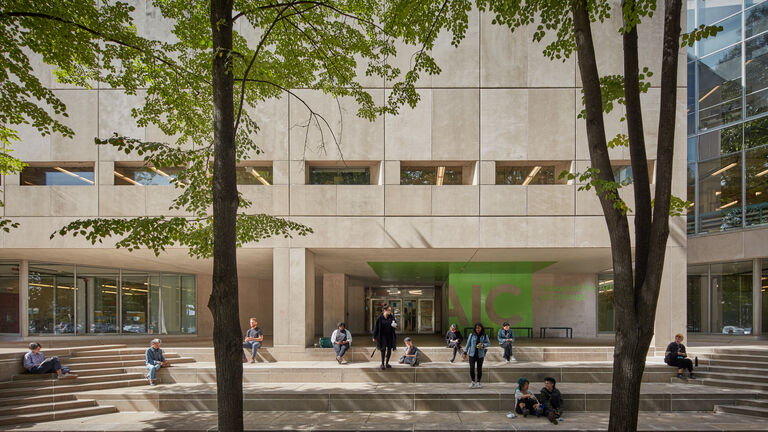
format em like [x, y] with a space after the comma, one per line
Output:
[702, 32]
[609, 190]
[280, 46]
[8, 165]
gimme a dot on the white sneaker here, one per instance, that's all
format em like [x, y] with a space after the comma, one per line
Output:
[511, 415]
[472, 384]
[479, 385]
[511, 358]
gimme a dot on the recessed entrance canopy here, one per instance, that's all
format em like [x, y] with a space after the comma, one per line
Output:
[439, 271]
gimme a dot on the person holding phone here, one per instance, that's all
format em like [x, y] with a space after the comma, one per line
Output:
[477, 343]
[385, 335]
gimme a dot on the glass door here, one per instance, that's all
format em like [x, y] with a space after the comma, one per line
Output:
[426, 316]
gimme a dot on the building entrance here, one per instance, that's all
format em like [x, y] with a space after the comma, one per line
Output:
[412, 307]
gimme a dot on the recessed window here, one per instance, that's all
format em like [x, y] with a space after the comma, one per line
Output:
[254, 175]
[58, 175]
[431, 175]
[127, 175]
[331, 175]
[525, 175]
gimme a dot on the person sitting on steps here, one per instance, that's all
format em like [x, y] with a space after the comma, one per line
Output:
[253, 338]
[506, 339]
[453, 338]
[551, 399]
[526, 402]
[341, 339]
[677, 357]
[36, 363]
[410, 353]
[154, 360]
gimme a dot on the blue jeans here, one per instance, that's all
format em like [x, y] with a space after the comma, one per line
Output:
[340, 349]
[253, 346]
[49, 365]
[153, 370]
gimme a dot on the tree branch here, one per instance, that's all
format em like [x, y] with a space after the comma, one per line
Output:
[640, 178]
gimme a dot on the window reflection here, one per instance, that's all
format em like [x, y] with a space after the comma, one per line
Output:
[730, 35]
[525, 175]
[697, 299]
[9, 298]
[756, 183]
[145, 176]
[720, 193]
[732, 298]
[431, 175]
[339, 175]
[719, 90]
[58, 175]
[756, 70]
[605, 313]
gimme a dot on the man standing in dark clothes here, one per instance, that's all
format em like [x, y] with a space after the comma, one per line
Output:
[384, 335]
[676, 356]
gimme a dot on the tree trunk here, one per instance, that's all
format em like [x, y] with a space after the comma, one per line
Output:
[636, 291]
[224, 298]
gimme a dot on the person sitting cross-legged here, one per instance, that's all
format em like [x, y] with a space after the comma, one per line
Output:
[341, 339]
[36, 363]
[154, 360]
[526, 402]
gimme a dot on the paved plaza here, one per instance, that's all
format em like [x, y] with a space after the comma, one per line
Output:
[396, 421]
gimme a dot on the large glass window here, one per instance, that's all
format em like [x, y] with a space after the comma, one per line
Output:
[51, 299]
[730, 35]
[691, 191]
[764, 294]
[756, 71]
[720, 193]
[431, 175]
[321, 175]
[711, 11]
[101, 299]
[756, 180]
[698, 299]
[9, 298]
[135, 304]
[58, 175]
[731, 285]
[188, 304]
[756, 19]
[722, 141]
[605, 314]
[719, 88]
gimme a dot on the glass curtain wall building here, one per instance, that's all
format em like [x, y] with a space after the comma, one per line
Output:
[66, 299]
[727, 175]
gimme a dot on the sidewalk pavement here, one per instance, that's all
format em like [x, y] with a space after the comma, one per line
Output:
[396, 421]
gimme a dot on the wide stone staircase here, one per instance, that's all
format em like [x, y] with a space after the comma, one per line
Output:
[26, 398]
[738, 368]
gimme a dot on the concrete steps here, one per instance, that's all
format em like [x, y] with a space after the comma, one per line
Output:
[27, 398]
[738, 368]
[56, 415]
[405, 397]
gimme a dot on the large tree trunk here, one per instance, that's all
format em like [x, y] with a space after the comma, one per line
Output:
[224, 299]
[636, 291]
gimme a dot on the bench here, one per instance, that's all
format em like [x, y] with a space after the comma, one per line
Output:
[528, 331]
[568, 331]
[488, 330]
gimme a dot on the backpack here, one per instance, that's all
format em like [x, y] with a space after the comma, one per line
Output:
[325, 342]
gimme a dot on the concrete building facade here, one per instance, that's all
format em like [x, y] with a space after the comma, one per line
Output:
[451, 211]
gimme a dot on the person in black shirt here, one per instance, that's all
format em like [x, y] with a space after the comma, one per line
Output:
[677, 357]
[453, 338]
[551, 400]
[253, 338]
[384, 335]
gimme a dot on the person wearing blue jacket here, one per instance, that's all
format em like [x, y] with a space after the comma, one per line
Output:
[506, 339]
[154, 360]
[477, 343]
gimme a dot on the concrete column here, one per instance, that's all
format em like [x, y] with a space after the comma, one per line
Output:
[671, 311]
[334, 301]
[757, 300]
[24, 298]
[293, 296]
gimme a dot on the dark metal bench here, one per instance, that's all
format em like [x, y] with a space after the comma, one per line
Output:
[528, 330]
[568, 331]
